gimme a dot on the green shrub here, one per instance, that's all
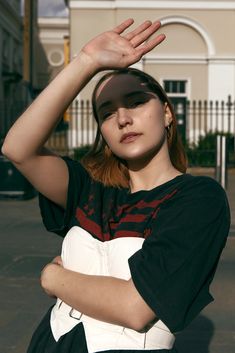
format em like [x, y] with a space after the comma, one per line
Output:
[204, 152]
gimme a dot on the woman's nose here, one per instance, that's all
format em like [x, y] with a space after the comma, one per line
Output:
[124, 117]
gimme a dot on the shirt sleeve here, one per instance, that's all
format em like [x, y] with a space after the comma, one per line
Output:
[54, 217]
[177, 262]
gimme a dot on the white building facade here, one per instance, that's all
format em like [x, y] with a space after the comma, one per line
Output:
[53, 34]
[196, 62]
[199, 50]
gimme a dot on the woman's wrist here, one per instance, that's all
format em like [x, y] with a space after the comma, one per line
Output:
[49, 277]
[84, 60]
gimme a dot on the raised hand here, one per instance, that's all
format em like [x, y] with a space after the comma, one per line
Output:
[114, 49]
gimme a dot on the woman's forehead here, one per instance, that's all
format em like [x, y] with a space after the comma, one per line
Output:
[117, 86]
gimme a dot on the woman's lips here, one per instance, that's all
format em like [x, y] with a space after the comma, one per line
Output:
[130, 137]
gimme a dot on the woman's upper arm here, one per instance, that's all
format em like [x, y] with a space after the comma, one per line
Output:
[48, 173]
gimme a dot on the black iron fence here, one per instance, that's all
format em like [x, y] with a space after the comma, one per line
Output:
[202, 120]
[206, 117]
[76, 129]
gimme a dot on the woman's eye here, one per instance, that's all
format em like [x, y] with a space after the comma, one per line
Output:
[136, 103]
[106, 115]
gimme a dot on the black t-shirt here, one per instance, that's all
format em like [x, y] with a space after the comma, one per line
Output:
[184, 222]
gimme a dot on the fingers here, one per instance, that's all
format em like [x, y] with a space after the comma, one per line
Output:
[140, 51]
[136, 43]
[123, 26]
[141, 34]
[145, 48]
[138, 30]
[145, 34]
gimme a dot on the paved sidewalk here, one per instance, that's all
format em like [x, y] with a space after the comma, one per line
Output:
[26, 247]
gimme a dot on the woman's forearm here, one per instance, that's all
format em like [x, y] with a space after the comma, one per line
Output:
[32, 129]
[104, 298]
[108, 50]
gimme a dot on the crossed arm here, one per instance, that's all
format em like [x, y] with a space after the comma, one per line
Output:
[108, 299]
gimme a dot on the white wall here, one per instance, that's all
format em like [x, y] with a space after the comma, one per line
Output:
[221, 79]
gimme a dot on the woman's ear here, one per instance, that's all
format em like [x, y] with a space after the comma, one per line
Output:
[168, 115]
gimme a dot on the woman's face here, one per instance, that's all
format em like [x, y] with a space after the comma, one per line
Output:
[132, 119]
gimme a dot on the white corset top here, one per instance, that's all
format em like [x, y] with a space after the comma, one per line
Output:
[83, 253]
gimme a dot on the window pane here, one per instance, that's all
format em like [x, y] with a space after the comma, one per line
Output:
[182, 86]
[166, 86]
[175, 86]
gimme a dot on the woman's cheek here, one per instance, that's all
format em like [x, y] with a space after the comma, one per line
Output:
[107, 134]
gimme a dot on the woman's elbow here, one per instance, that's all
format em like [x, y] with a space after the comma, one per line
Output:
[139, 324]
[13, 152]
[139, 315]
[8, 152]
[5, 150]
[139, 319]
[136, 325]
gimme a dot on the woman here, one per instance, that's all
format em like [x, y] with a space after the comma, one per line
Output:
[143, 237]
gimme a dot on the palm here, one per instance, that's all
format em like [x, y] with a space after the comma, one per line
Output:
[111, 50]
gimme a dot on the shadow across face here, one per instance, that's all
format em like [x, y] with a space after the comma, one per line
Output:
[122, 90]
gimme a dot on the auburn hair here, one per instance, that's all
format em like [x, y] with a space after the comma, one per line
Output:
[106, 167]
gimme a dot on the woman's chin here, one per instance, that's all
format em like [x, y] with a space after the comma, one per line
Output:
[139, 161]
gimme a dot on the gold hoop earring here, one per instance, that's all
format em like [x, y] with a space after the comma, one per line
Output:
[168, 131]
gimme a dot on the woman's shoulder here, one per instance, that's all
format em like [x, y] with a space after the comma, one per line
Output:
[199, 196]
[203, 185]
[194, 186]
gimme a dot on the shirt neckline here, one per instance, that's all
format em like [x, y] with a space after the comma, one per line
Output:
[159, 187]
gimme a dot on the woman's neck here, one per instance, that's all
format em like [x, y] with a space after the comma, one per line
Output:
[157, 172]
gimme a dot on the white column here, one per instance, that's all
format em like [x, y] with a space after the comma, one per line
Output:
[221, 79]
[221, 84]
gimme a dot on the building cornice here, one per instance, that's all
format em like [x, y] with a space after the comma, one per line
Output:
[186, 59]
[53, 20]
[140, 4]
[53, 23]
[53, 30]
